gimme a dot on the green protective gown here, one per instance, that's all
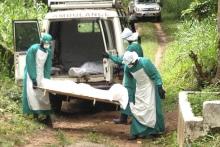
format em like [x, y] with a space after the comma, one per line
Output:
[128, 82]
[31, 70]
[138, 128]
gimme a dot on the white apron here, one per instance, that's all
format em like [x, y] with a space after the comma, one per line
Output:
[38, 99]
[144, 109]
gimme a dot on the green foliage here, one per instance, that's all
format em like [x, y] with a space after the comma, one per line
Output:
[200, 9]
[95, 137]
[212, 140]
[99, 138]
[13, 128]
[196, 100]
[62, 138]
[174, 8]
[177, 69]
[125, 3]
[167, 140]
[10, 97]
[148, 39]
[13, 125]
[14, 10]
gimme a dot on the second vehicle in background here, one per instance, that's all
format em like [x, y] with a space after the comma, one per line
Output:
[141, 9]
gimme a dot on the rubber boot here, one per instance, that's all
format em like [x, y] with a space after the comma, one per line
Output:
[48, 121]
[122, 120]
[132, 137]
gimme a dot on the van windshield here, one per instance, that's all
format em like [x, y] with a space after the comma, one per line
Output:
[146, 1]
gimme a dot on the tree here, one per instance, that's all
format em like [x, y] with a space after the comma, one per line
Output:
[217, 75]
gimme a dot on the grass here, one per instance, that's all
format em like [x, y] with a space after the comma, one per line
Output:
[62, 138]
[212, 140]
[196, 100]
[148, 39]
[13, 125]
[100, 139]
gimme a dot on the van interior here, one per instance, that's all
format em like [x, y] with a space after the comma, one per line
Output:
[77, 42]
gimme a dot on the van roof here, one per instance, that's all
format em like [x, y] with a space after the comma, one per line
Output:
[84, 13]
[79, 4]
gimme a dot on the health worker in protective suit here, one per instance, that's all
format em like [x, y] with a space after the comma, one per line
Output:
[38, 67]
[148, 119]
[128, 83]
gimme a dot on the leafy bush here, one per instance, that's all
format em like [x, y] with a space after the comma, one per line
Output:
[174, 7]
[178, 70]
[14, 10]
[201, 9]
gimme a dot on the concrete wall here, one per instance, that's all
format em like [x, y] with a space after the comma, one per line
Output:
[190, 127]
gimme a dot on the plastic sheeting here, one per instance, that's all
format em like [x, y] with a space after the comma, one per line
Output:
[117, 92]
[86, 69]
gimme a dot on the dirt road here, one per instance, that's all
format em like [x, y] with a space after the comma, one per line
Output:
[95, 128]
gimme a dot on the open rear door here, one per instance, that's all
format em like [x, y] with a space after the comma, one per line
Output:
[107, 64]
[25, 33]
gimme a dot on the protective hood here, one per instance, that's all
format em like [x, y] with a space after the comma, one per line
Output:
[126, 33]
[129, 57]
[133, 37]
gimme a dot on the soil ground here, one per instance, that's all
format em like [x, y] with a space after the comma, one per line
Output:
[80, 123]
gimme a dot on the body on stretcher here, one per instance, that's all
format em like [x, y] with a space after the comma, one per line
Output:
[117, 94]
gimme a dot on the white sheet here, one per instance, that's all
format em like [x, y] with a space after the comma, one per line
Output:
[117, 92]
[86, 69]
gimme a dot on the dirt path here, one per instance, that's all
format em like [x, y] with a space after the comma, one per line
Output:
[162, 41]
[85, 128]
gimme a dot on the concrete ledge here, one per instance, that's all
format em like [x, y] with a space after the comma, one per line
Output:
[189, 127]
[211, 113]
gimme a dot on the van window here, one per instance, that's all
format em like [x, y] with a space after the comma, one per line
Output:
[27, 33]
[109, 33]
[86, 27]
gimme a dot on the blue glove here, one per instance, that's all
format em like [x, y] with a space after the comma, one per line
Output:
[105, 55]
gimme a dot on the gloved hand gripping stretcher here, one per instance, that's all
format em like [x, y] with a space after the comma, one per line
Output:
[117, 94]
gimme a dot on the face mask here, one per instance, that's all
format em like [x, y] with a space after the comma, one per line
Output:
[46, 46]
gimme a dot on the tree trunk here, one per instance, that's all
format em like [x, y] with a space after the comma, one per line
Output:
[217, 76]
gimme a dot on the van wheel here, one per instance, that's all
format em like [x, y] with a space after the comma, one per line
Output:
[56, 102]
[159, 18]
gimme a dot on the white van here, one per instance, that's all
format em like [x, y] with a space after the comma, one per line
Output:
[141, 9]
[82, 31]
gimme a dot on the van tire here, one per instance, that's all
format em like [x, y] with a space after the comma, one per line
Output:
[56, 102]
[159, 18]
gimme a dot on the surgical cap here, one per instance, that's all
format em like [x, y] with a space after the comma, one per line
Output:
[46, 38]
[126, 33]
[129, 57]
[133, 37]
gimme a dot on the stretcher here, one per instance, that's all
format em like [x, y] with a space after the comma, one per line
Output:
[117, 94]
[79, 96]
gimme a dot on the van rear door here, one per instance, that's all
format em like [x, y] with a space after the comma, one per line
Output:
[25, 33]
[108, 32]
